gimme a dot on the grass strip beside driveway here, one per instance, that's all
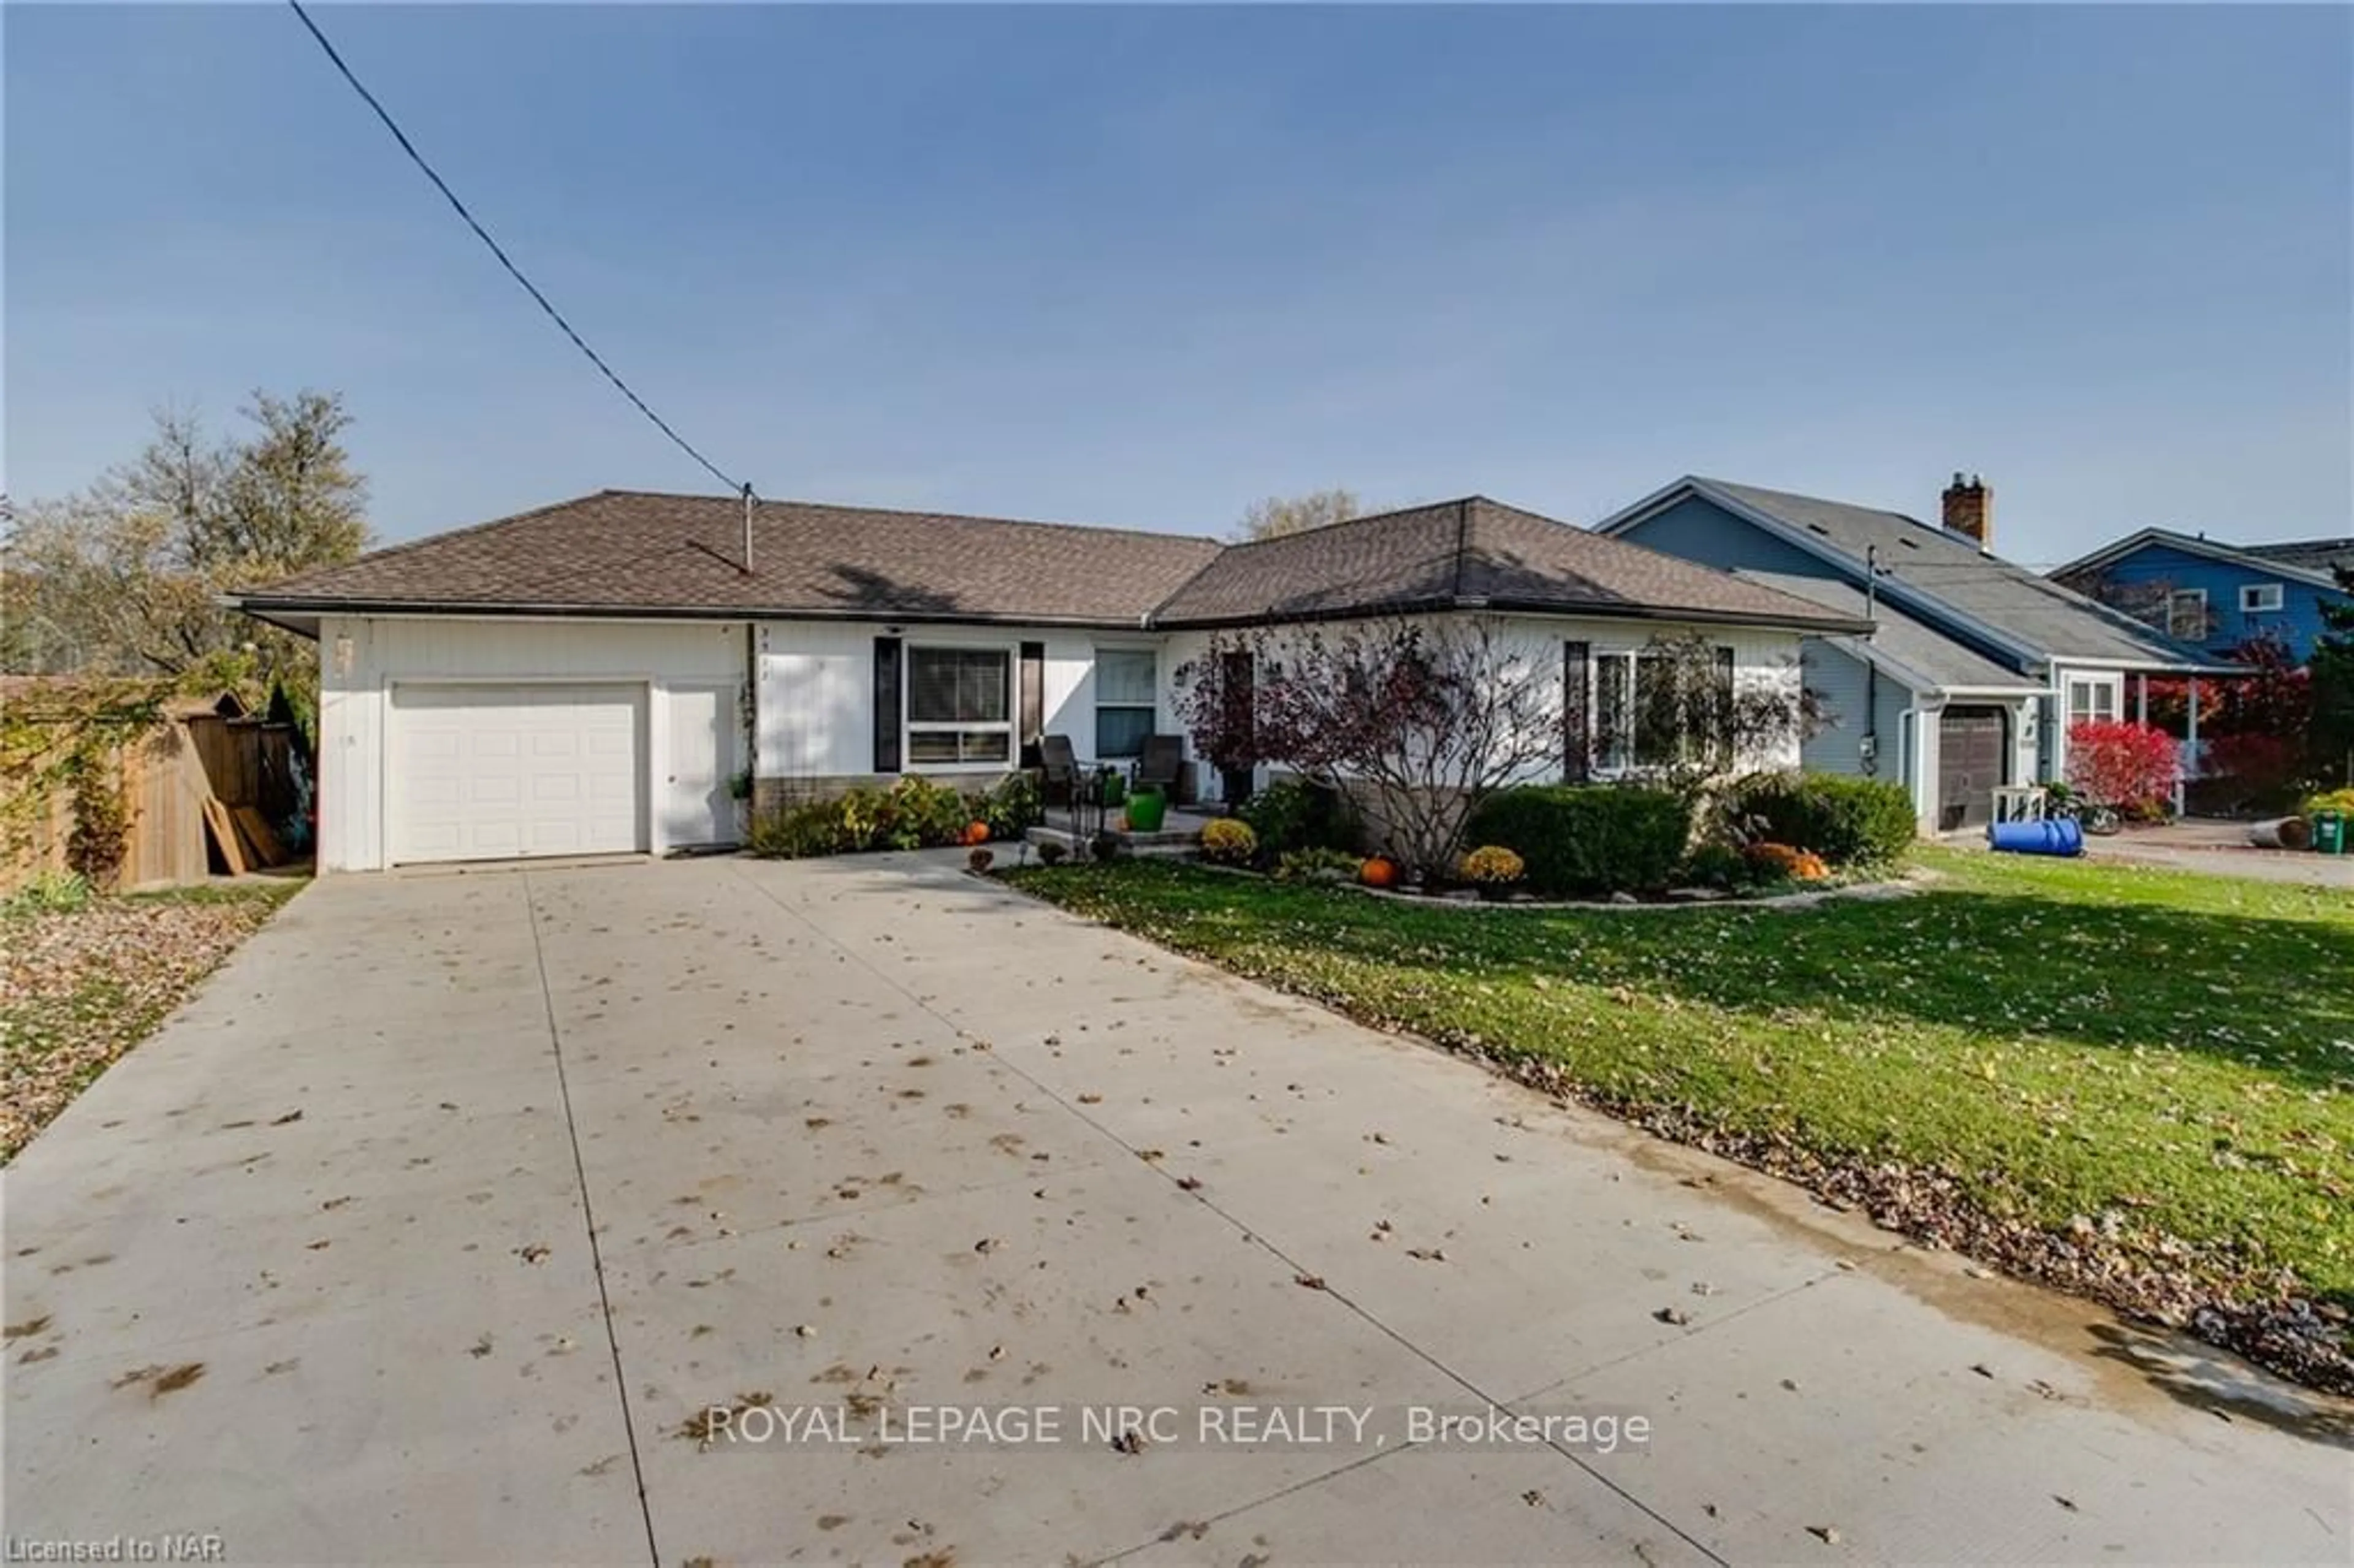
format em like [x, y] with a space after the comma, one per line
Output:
[82, 986]
[2136, 1084]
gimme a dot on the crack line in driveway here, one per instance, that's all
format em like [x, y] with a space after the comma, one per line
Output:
[1248, 1233]
[588, 1218]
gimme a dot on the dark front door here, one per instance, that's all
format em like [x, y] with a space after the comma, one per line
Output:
[1237, 696]
[1970, 744]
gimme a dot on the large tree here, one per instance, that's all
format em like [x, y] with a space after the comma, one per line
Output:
[1419, 721]
[126, 577]
[1280, 514]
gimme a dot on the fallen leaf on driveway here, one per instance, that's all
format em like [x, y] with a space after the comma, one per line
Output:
[1671, 1315]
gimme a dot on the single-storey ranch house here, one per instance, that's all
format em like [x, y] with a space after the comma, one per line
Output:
[607, 674]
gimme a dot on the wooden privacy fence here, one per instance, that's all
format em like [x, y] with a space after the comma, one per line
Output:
[204, 792]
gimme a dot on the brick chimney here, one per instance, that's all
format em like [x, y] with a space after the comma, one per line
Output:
[1969, 510]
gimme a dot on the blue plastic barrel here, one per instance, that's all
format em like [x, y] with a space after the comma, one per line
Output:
[2059, 835]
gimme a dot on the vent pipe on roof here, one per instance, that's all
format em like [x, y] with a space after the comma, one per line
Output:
[747, 528]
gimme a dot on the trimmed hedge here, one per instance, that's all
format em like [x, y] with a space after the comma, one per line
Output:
[1293, 814]
[1591, 838]
[913, 813]
[1848, 821]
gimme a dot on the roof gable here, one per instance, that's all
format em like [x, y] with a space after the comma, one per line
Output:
[2309, 561]
[1472, 553]
[1942, 576]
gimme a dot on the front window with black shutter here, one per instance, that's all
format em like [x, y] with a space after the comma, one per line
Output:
[959, 707]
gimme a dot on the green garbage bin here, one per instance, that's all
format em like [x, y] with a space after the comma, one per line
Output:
[2330, 833]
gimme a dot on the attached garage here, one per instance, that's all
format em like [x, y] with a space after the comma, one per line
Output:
[452, 740]
[507, 770]
[1973, 742]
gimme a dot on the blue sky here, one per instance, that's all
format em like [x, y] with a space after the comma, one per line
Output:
[1141, 266]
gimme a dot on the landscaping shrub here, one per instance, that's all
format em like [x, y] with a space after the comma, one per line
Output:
[913, 813]
[1295, 814]
[796, 832]
[1588, 838]
[1014, 807]
[2132, 767]
[1493, 866]
[1848, 821]
[1229, 840]
[1714, 865]
[1771, 860]
[2329, 800]
[1316, 866]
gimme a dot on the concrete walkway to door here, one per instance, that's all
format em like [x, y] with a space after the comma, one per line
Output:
[435, 1227]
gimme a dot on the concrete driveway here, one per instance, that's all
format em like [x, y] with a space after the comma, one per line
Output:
[435, 1227]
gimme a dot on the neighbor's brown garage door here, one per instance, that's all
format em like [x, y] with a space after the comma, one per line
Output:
[1969, 766]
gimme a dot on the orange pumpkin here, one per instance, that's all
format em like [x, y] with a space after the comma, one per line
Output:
[1379, 872]
[976, 832]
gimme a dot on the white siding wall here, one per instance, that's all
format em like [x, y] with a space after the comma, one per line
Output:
[1758, 656]
[362, 657]
[817, 689]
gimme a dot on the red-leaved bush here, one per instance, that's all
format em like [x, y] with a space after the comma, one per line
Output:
[2132, 767]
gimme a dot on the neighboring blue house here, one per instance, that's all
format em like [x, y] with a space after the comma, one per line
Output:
[1975, 668]
[2217, 596]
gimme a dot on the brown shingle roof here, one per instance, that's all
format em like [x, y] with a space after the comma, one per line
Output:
[623, 551]
[629, 552]
[1472, 553]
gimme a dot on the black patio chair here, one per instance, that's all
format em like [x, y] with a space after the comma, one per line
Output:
[1163, 763]
[1059, 765]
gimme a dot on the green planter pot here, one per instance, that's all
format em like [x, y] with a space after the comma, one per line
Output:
[1115, 790]
[1147, 809]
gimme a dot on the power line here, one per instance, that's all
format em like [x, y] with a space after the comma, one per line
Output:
[513, 271]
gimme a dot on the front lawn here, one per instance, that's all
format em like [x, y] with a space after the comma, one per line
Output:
[82, 985]
[2136, 1084]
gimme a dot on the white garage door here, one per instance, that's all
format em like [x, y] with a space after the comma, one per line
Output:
[488, 772]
